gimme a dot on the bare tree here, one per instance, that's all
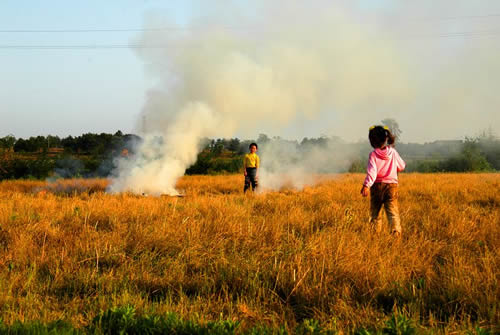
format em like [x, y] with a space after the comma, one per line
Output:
[393, 127]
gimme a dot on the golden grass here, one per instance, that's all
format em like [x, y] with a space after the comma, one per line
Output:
[68, 251]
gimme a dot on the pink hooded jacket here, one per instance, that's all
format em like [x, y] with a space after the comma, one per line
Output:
[383, 166]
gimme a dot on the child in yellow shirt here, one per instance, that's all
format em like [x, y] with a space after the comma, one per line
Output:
[251, 164]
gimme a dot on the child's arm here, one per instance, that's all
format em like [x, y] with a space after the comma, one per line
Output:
[257, 166]
[365, 191]
[371, 175]
[245, 166]
[400, 162]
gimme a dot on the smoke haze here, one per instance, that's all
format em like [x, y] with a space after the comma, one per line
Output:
[244, 71]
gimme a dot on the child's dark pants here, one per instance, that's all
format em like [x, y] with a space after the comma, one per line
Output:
[386, 195]
[251, 179]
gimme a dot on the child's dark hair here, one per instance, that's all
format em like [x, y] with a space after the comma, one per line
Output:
[253, 144]
[380, 136]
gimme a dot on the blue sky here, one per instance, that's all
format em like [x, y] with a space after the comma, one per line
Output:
[70, 92]
[74, 91]
[67, 92]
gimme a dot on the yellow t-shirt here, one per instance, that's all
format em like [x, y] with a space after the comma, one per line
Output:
[251, 160]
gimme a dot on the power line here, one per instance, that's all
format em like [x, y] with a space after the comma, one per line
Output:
[485, 16]
[194, 28]
[476, 33]
[125, 30]
[462, 34]
[89, 46]
[85, 30]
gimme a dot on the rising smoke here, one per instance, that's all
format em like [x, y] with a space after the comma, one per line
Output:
[287, 164]
[247, 70]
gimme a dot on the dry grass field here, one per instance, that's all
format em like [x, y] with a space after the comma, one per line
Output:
[69, 250]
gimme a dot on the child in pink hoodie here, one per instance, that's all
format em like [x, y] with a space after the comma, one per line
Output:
[381, 180]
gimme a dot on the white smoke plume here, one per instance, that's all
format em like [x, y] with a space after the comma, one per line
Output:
[288, 164]
[161, 160]
[243, 71]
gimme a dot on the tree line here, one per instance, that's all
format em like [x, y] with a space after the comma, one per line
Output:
[95, 144]
[94, 155]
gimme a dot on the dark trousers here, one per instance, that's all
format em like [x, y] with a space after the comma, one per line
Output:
[251, 179]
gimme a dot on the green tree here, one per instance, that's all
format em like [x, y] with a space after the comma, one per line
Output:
[474, 158]
[7, 142]
[53, 141]
[21, 145]
[234, 145]
[469, 159]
